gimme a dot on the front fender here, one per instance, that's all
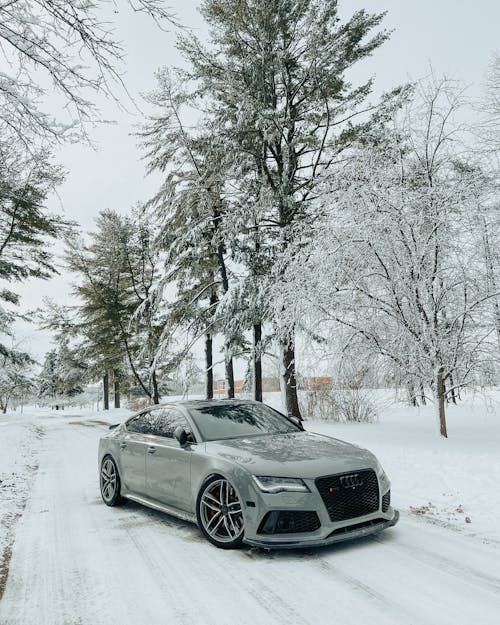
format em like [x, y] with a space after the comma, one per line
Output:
[240, 478]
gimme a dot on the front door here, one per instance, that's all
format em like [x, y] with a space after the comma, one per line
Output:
[168, 465]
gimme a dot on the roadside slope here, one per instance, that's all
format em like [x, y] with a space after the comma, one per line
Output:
[19, 444]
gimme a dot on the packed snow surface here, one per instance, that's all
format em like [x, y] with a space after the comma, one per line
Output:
[76, 561]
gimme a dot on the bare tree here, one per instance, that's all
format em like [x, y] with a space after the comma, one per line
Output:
[395, 263]
[62, 46]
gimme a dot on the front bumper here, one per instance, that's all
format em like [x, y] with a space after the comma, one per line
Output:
[352, 532]
[259, 504]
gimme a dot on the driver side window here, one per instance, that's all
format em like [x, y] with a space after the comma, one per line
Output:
[140, 424]
[165, 420]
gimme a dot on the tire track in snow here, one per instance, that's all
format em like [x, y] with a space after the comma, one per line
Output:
[358, 590]
[156, 566]
[249, 589]
[442, 563]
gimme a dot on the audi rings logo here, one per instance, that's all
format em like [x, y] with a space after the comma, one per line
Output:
[351, 481]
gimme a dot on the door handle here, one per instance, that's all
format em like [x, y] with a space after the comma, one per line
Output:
[151, 450]
[123, 445]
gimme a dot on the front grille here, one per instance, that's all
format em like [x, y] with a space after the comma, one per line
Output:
[289, 522]
[349, 495]
[386, 501]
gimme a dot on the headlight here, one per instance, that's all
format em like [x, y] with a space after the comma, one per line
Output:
[280, 484]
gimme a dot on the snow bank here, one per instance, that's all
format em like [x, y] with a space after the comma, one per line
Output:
[450, 481]
[19, 443]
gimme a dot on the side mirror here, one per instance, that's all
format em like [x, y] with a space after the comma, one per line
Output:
[181, 435]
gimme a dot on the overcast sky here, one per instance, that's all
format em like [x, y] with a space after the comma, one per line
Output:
[455, 36]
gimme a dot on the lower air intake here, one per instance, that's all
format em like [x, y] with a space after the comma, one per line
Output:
[289, 522]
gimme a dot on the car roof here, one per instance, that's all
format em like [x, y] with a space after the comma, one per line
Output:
[201, 403]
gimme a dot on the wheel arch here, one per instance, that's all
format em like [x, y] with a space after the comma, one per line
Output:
[109, 448]
[230, 541]
[239, 477]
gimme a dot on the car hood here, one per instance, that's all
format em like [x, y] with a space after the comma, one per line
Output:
[301, 454]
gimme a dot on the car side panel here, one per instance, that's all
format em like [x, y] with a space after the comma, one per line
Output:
[109, 445]
[132, 461]
[168, 472]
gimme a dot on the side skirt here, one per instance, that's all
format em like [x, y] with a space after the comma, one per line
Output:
[151, 503]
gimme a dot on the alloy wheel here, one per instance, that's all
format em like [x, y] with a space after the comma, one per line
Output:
[221, 512]
[108, 480]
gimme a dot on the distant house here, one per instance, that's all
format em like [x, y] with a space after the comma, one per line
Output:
[323, 383]
[272, 385]
[220, 387]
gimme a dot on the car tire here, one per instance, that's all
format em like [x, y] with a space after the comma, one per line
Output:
[219, 513]
[109, 482]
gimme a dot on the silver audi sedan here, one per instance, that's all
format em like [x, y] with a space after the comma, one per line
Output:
[245, 473]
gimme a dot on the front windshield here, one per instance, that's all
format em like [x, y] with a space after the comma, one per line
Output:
[234, 420]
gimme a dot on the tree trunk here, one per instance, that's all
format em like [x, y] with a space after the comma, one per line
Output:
[440, 391]
[209, 390]
[229, 376]
[257, 362]
[422, 395]
[490, 279]
[412, 397]
[116, 388]
[146, 390]
[225, 289]
[105, 390]
[452, 392]
[290, 380]
[156, 394]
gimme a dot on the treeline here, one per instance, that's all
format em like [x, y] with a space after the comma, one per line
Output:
[297, 210]
[275, 111]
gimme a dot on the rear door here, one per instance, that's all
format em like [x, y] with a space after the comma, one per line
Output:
[168, 465]
[133, 448]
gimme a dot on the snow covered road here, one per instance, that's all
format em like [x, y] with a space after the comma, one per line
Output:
[77, 562]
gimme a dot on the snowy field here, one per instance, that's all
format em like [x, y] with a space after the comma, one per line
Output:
[73, 561]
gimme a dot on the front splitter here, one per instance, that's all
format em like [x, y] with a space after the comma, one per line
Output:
[329, 540]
